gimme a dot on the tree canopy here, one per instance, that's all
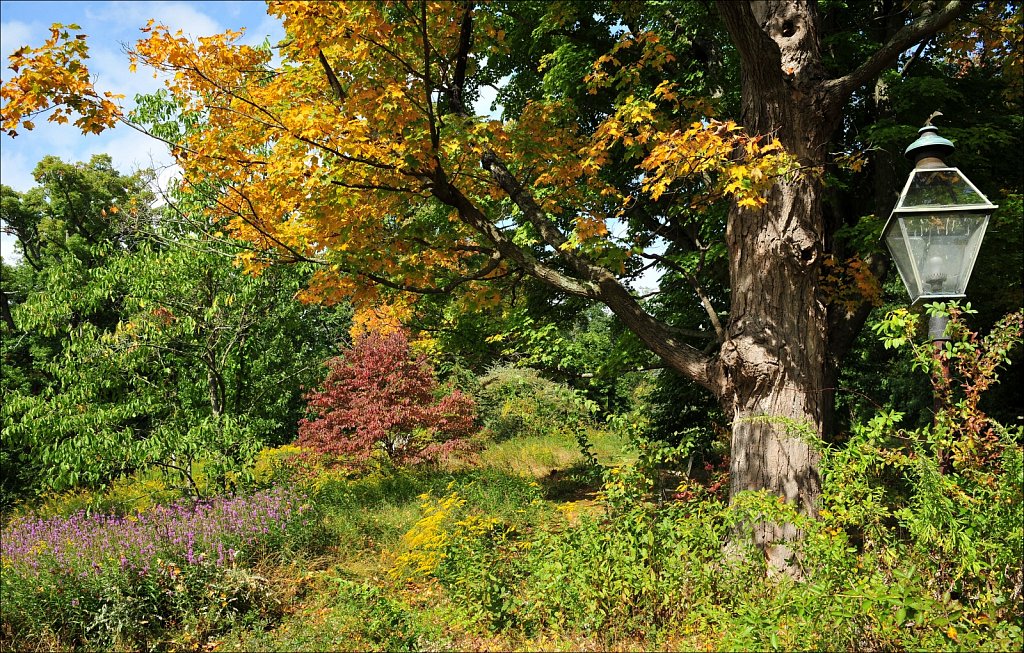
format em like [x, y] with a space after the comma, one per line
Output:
[131, 342]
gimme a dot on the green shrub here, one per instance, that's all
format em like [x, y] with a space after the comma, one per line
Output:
[519, 402]
[128, 494]
[381, 621]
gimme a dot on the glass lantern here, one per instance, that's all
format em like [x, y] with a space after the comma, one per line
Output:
[935, 231]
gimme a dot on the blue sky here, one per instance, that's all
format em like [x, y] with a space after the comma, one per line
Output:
[111, 26]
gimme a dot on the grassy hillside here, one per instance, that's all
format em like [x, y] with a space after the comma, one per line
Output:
[520, 546]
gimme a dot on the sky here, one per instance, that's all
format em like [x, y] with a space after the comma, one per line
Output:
[110, 26]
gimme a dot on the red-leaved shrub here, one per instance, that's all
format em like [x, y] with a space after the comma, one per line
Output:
[378, 395]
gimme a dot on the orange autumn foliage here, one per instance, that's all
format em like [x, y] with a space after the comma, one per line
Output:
[335, 153]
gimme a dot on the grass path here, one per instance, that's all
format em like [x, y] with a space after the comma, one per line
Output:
[336, 601]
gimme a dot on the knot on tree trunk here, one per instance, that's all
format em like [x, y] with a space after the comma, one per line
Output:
[751, 366]
[803, 247]
[489, 161]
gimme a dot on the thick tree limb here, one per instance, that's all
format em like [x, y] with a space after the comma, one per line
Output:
[549, 233]
[914, 56]
[428, 85]
[5, 313]
[332, 79]
[522, 198]
[903, 40]
[597, 283]
[447, 193]
[757, 50]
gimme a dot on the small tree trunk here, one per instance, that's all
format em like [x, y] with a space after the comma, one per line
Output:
[5, 313]
[215, 386]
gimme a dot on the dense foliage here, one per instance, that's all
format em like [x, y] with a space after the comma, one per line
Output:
[134, 343]
[905, 554]
[535, 302]
[705, 144]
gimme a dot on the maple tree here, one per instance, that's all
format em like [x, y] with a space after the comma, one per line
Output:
[378, 395]
[358, 151]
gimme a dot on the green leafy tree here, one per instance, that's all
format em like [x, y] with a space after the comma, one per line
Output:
[141, 345]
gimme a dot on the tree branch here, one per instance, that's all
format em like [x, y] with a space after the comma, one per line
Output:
[522, 198]
[5, 312]
[704, 300]
[906, 38]
[758, 51]
[491, 266]
[332, 79]
[428, 86]
[447, 193]
[595, 282]
[457, 92]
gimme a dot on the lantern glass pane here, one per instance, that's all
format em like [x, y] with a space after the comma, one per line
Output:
[941, 187]
[935, 252]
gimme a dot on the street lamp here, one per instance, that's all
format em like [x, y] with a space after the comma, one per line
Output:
[935, 231]
[934, 235]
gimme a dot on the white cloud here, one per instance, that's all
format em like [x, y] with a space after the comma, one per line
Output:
[110, 73]
[16, 170]
[14, 34]
[122, 16]
[181, 16]
[268, 26]
[130, 150]
[19, 156]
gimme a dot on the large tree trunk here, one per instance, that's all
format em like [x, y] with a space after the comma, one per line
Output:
[776, 356]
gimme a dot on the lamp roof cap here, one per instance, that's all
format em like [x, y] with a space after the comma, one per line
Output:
[929, 143]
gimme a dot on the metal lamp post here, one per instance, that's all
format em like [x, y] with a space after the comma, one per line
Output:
[935, 231]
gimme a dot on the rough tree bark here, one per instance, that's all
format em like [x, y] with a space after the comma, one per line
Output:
[776, 359]
[775, 369]
[776, 355]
